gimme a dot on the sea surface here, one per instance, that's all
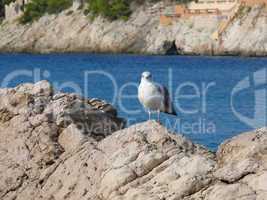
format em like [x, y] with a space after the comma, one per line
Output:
[216, 98]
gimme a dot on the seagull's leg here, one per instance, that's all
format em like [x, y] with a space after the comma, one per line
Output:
[158, 112]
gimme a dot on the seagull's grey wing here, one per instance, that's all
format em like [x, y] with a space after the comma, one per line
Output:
[167, 103]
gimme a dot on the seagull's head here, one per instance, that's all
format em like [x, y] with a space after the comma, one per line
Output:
[146, 76]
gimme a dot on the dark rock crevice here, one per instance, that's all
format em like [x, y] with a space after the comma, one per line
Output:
[170, 47]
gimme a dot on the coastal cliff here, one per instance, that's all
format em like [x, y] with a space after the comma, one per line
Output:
[142, 33]
[47, 153]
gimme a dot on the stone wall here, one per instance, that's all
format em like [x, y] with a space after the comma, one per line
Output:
[253, 2]
[215, 4]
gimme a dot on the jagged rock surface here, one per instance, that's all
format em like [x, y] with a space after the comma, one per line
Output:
[142, 33]
[38, 126]
[45, 155]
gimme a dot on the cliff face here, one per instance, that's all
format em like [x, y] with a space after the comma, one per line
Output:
[73, 32]
[45, 154]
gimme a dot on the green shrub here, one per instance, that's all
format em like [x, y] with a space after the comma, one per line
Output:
[70, 12]
[34, 10]
[120, 9]
[86, 12]
[57, 6]
[111, 9]
[37, 8]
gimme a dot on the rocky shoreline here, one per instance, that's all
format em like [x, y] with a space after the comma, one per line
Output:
[72, 31]
[48, 150]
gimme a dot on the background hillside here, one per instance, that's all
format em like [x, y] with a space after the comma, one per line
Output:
[133, 27]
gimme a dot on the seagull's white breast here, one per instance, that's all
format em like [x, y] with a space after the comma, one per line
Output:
[149, 95]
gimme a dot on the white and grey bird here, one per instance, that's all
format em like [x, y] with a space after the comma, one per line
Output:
[154, 97]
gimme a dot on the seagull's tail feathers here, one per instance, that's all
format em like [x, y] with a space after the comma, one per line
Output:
[171, 110]
[168, 106]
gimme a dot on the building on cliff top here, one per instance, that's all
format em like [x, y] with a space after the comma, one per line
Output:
[225, 8]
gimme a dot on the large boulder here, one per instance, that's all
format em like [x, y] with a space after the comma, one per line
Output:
[243, 160]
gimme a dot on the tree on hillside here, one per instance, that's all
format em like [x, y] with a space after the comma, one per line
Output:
[111, 9]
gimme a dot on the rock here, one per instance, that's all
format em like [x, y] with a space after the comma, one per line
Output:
[42, 88]
[44, 155]
[32, 141]
[5, 115]
[257, 183]
[242, 155]
[230, 192]
[241, 168]
[71, 138]
[246, 145]
[232, 172]
[92, 119]
[141, 161]
[243, 160]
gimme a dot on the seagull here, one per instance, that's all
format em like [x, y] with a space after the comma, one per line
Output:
[154, 97]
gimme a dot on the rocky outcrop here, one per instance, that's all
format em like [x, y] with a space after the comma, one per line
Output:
[38, 126]
[240, 172]
[72, 31]
[45, 154]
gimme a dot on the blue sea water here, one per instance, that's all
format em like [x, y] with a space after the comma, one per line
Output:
[202, 87]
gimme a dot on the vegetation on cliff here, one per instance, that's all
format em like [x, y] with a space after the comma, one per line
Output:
[110, 9]
[116, 9]
[37, 8]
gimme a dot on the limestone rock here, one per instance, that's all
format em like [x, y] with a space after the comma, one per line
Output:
[71, 138]
[230, 192]
[31, 140]
[243, 159]
[44, 155]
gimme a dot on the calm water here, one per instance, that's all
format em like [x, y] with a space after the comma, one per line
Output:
[201, 87]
